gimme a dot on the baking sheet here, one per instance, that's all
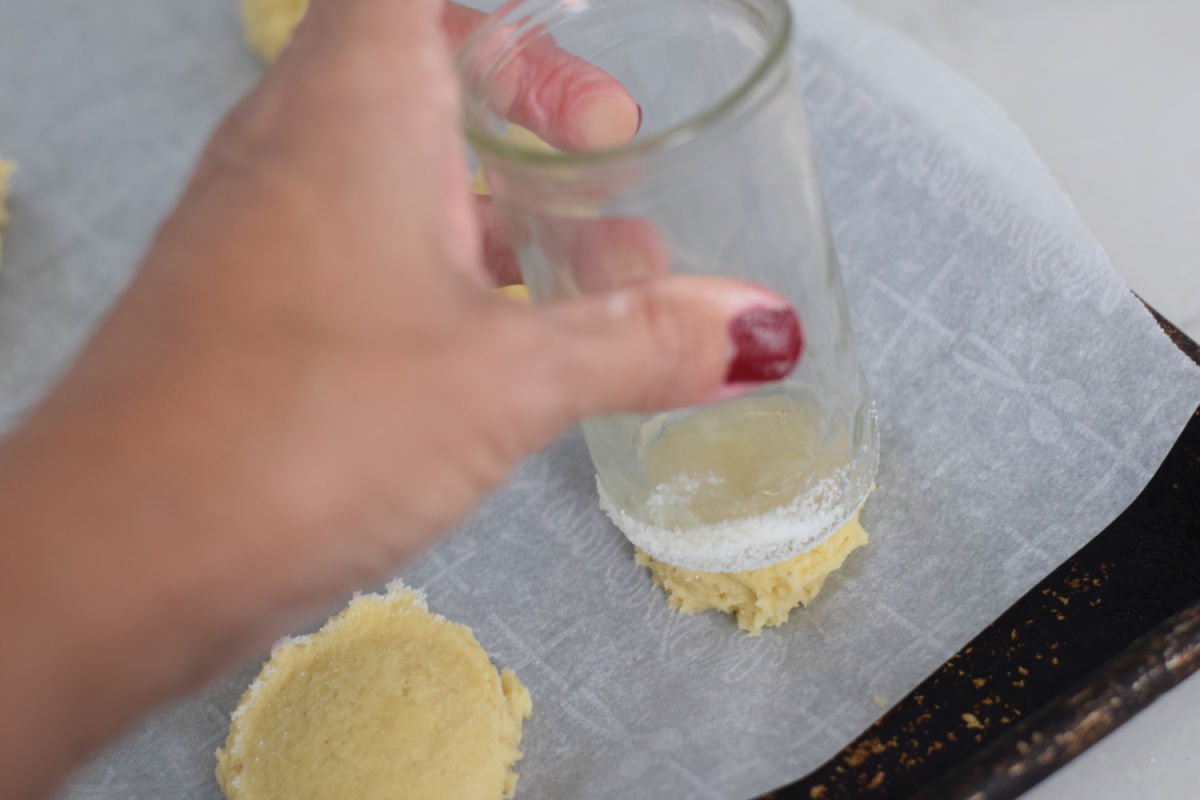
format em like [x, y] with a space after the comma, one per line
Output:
[1024, 399]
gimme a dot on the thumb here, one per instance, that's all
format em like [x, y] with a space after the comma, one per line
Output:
[667, 342]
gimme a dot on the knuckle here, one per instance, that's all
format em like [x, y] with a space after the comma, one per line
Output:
[531, 377]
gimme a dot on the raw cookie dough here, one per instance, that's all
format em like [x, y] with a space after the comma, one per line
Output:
[516, 291]
[386, 701]
[759, 597]
[6, 169]
[269, 24]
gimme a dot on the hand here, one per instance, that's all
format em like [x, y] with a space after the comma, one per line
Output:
[310, 378]
[320, 291]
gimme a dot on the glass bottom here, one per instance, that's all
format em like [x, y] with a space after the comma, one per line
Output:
[744, 484]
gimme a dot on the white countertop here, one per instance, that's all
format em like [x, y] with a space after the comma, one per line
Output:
[1108, 92]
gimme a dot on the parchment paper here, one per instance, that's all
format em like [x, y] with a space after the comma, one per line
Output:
[1024, 399]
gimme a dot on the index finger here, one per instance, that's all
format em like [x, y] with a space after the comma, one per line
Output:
[571, 104]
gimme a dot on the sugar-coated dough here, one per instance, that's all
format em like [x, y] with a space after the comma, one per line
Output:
[386, 701]
[6, 169]
[269, 24]
[759, 597]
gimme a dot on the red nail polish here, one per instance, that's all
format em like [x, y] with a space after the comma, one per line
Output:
[639, 125]
[767, 343]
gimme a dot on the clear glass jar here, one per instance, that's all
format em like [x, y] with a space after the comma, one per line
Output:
[719, 181]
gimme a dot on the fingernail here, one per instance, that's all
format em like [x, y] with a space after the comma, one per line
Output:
[767, 343]
[639, 125]
[600, 122]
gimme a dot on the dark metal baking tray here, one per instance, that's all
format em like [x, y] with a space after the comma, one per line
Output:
[1097, 640]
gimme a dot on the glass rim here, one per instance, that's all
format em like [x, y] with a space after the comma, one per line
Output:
[681, 132]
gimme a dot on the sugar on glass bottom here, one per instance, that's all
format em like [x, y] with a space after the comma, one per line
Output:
[742, 485]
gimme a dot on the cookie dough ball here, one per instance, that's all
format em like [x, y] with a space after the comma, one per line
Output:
[386, 701]
[6, 169]
[269, 24]
[758, 597]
